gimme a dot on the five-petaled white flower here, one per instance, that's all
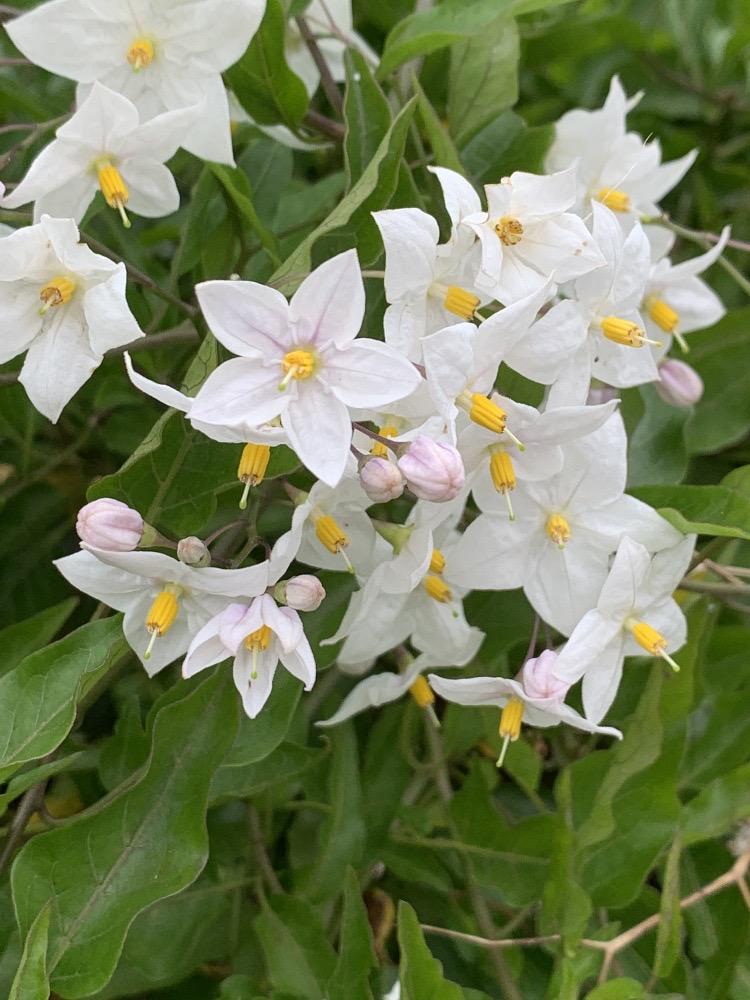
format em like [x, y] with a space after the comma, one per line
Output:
[106, 147]
[299, 361]
[64, 305]
[161, 54]
[257, 635]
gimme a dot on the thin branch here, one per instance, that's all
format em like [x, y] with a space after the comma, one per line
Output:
[326, 126]
[39, 129]
[29, 804]
[14, 61]
[501, 943]
[326, 78]
[259, 847]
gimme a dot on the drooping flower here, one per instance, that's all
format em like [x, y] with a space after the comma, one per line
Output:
[635, 615]
[258, 636]
[106, 147]
[162, 56]
[64, 305]
[164, 601]
[527, 235]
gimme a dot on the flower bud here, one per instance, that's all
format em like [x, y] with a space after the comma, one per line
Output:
[193, 552]
[303, 593]
[110, 525]
[539, 679]
[680, 384]
[381, 479]
[433, 470]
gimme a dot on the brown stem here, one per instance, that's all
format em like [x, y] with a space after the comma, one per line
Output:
[326, 126]
[259, 847]
[28, 805]
[329, 84]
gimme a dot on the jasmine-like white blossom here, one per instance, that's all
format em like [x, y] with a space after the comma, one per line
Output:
[62, 304]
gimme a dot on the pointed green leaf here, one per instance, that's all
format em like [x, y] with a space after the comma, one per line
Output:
[356, 954]
[421, 975]
[367, 114]
[22, 638]
[299, 957]
[32, 982]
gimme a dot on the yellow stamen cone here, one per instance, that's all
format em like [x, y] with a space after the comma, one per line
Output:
[437, 561]
[252, 468]
[140, 54]
[625, 332]
[161, 615]
[509, 231]
[299, 364]
[56, 293]
[617, 200]
[510, 725]
[558, 530]
[114, 189]
[333, 537]
[379, 450]
[437, 588]
[651, 640]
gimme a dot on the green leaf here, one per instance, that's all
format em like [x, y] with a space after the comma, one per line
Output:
[367, 114]
[265, 86]
[32, 981]
[81, 761]
[288, 761]
[299, 957]
[350, 222]
[421, 975]
[706, 510]
[717, 807]
[438, 136]
[656, 447]
[146, 841]
[356, 955]
[22, 638]
[670, 914]
[38, 698]
[126, 750]
[506, 144]
[237, 186]
[483, 78]
[618, 989]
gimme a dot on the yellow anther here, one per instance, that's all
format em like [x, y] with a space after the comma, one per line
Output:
[259, 639]
[333, 537]
[482, 411]
[509, 230]
[114, 189]
[460, 302]
[663, 315]
[56, 293]
[625, 332]
[503, 475]
[652, 641]
[558, 530]
[437, 588]
[422, 693]
[617, 200]
[437, 561]
[252, 468]
[140, 54]
[161, 615]
[510, 725]
[298, 364]
[379, 450]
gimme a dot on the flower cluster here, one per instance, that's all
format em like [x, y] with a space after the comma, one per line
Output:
[563, 278]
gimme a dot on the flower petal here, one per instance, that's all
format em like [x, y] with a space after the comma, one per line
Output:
[247, 318]
[320, 431]
[368, 373]
[330, 302]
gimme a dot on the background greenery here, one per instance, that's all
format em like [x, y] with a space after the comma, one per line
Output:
[237, 859]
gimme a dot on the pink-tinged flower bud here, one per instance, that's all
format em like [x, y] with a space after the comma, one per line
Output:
[601, 394]
[381, 479]
[539, 679]
[193, 552]
[680, 384]
[303, 593]
[110, 525]
[434, 470]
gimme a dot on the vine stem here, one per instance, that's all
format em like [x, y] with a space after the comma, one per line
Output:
[330, 87]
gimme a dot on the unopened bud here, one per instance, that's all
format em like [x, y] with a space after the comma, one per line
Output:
[433, 470]
[303, 593]
[193, 552]
[680, 384]
[381, 479]
[539, 678]
[110, 524]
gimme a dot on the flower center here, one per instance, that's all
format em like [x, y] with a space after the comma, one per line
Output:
[558, 530]
[663, 315]
[299, 364]
[437, 561]
[379, 450]
[161, 615]
[140, 54]
[252, 468]
[113, 188]
[510, 725]
[509, 230]
[624, 332]
[652, 641]
[455, 300]
[437, 588]
[422, 693]
[258, 642]
[486, 413]
[330, 534]
[503, 475]
[617, 200]
[56, 293]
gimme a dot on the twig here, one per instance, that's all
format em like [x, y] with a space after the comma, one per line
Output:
[33, 135]
[329, 84]
[716, 589]
[14, 61]
[259, 846]
[28, 805]
[501, 943]
[326, 126]
[7, 11]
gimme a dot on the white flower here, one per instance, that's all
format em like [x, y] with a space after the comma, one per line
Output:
[676, 301]
[104, 146]
[536, 699]
[165, 602]
[427, 286]
[635, 613]
[330, 22]
[257, 636]
[161, 54]
[566, 527]
[608, 299]
[614, 166]
[299, 361]
[64, 305]
[527, 234]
